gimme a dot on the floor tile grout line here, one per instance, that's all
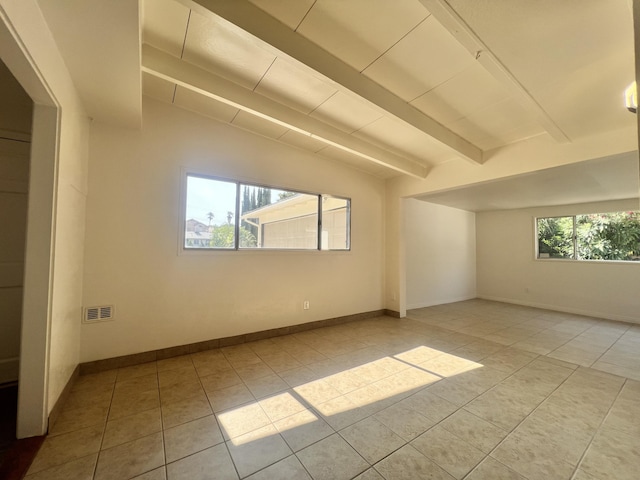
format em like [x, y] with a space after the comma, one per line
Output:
[597, 430]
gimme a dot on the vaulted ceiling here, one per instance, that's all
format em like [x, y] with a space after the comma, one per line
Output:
[391, 87]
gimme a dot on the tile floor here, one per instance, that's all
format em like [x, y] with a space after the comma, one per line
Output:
[472, 390]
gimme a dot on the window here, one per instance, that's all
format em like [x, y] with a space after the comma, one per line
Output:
[596, 236]
[224, 214]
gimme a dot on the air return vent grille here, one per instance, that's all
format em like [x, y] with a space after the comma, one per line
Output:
[98, 314]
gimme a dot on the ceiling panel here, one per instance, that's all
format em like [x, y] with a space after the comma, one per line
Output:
[404, 139]
[590, 101]
[357, 162]
[422, 60]
[222, 48]
[302, 141]
[611, 178]
[294, 86]
[165, 25]
[198, 103]
[346, 112]
[157, 88]
[289, 12]
[359, 31]
[258, 125]
[465, 93]
[497, 120]
[548, 41]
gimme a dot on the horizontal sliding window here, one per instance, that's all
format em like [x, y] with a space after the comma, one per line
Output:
[223, 214]
[597, 236]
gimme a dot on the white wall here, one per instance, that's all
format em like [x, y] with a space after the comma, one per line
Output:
[440, 247]
[508, 270]
[164, 299]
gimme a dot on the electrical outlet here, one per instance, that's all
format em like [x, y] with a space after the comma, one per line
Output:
[305, 305]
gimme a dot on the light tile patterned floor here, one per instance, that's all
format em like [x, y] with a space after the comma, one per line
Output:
[472, 390]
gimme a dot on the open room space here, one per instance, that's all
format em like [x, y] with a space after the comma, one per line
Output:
[319, 239]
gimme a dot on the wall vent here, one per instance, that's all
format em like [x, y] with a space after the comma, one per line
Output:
[98, 314]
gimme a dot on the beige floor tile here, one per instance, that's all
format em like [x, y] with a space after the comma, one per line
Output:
[80, 469]
[157, 474]
[217, 381]
[623, 371]
[288, 469]
[303, 429]
[129, 428]
[98, 396]
[449, 451]
[183, 411]
[280, 361]
[282, 405]
[476, 351]
[191, 437]
[181, 391]
[229, 397]
[509, 359]
[95, 380]
[371, 439]
[307, 356]
[136, 384]
[67, 447]
[332, 459]
[474, 430]
[137, 371]
[131, 459]
[613, 454]
[128, 404]
[567, 444]
[298, 376]
[254, 371]
[77, 418]
[317, 392]
[210, 367]
[177, 376]
[258, 449]
[370, 474]
[491, 469]
[431, 406]
[174, 363]
[202, 465]
[409, 464]
[241, 420]
[533, 458]
[403, 421]
[264, 386]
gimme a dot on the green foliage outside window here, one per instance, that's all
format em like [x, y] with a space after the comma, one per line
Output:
[603, 236]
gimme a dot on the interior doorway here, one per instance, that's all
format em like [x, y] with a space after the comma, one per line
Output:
[16, 111]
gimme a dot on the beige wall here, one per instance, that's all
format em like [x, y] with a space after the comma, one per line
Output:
[164, 299]
[508, 270]
[440, 245]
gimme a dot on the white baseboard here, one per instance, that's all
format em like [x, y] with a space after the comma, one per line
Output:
[560, 308]
[9, 369]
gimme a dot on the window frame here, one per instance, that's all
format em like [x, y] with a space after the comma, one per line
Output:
[575, 256]
[239, 183]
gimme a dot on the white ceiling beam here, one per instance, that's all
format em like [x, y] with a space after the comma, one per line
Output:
[263, 26]
[174, 70]
[449, 19]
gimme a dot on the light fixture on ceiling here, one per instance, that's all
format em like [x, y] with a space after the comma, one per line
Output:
[631, 98]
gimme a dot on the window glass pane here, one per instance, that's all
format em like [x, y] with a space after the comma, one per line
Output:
[272, 218]
[555, 237]
[210, 213]
[609, 236]
[335, 223]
